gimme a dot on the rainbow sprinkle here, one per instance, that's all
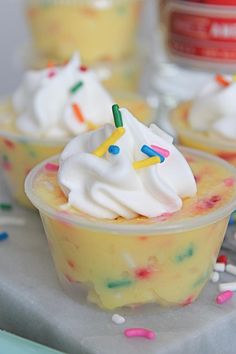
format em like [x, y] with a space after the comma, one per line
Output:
[5, 206]
[116, 135]
[146, 162]
[114, 149]
[78, 113]
[3, 236]
[160, 150]
[51, 167]
[117, 116]
[221, 80]
[76, 87]
[151, 153]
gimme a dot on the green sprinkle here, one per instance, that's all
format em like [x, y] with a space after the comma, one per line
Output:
[5, 158]
[117, 116]
[187, 253]
[76, 87]
[5, 206]
[119, 283]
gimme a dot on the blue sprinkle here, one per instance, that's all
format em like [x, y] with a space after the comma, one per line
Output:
[232, 220]
[3, 236]
[114, 149]
[151, 153]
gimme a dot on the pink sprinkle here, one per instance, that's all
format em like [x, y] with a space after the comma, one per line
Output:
[6, 166]
[83, 68]
[51, 73]
[51, 167]
[139, 332]
[229, 182]
[224, 296]
[161, 150]
[143, 273]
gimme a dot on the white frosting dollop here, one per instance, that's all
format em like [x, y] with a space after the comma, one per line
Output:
[214, 108]
[109, 186]
[44, 101]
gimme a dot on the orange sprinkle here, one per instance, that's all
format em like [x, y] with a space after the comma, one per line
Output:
[78, 113]
[50, 64]
[221, 80]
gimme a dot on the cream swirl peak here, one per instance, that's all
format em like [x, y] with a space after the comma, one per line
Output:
[61, 101]
[125, 170]
[214, 109]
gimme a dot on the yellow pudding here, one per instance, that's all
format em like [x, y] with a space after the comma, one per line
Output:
[106, 32]
[19, 153]
[167, 259]
[208, 141]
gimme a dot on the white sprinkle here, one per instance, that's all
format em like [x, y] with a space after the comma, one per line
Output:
[219, 267]
[215, 277]
[117, 319]
[8, 220]
[227, 286]
[129, 260]
[65, 206]
[230, 268]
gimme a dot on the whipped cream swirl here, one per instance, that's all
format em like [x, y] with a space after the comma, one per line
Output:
[110, 186]
[214, 109]
[47, 102]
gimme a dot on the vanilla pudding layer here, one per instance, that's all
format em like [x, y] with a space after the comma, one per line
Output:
[166, 259]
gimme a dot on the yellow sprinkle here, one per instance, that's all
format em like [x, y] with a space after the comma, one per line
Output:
[146, 162]
[234, 77]
[116, 135]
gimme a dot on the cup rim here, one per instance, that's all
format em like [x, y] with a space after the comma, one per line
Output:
[195, 135]
[134, 229]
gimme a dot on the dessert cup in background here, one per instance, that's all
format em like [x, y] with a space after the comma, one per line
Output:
[100, 30]
[20, 152]
[224, 148]
[208, 121]
[135, 258]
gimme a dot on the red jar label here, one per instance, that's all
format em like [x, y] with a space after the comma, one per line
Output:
[202, 32]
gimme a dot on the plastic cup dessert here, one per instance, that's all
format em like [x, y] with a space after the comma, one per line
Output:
[49, 107]
[129, 218]
[208, 122]
[100, 30]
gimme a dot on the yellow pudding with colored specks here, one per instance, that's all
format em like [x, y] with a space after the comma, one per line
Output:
[99, 30]
[167, 259]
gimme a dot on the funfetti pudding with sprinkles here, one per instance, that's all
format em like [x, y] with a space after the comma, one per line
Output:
[129, 217]
[208, 122]
[49, 107]
[102, 30]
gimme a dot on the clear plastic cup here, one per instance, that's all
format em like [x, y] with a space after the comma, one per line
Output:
[20, 153]
[221, 147]
[120, 263]
[99, 29]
